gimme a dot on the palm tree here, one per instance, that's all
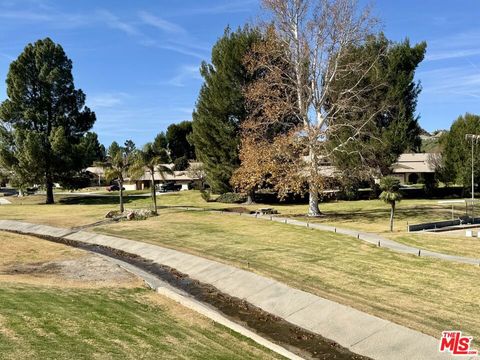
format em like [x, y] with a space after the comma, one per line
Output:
[390, 187]
[119, 161]
[152, 159]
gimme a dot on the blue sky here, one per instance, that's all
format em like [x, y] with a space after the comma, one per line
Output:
[138, 61]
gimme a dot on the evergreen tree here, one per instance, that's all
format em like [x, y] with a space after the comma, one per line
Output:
[457, 154]
[391, 97]
[220, 107]
[44, 118]
[160, 141]
[177, 138]
[92, 150]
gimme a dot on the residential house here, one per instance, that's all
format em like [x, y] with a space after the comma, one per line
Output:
[185, 178]
[410, 168]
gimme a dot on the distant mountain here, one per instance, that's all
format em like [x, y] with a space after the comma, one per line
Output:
[424, 132]
[431, 142]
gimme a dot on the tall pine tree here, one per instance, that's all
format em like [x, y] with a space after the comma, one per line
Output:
[44, 118]
[220, 107]
[391, 95]
[457, 154]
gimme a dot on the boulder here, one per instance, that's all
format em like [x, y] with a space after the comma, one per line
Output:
[110, 214]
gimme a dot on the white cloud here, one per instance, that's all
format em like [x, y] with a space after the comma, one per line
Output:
[460, 45]
[451, 54]
[184, 110]
[182, 49]
[114, 22]
[229, 7]
[160, 23]
[106, 100]
[451, 83]
[184, 74]
[25, 15]
[7, 56]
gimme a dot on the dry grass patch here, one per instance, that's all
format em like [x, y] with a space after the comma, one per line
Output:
[442, 242]
[29, 260]
[16, 248]
[55, 215]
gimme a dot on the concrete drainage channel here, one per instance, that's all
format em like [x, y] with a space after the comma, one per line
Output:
[262, 327]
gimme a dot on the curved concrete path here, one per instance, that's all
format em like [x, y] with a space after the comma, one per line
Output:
[371, 238]
[358, 331]
[185, 299]
[368, 237]
[384, 242]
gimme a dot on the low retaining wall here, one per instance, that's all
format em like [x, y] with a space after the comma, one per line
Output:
[442, 224]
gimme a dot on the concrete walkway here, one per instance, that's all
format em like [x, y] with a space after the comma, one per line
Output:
[185, 299]
[370, 238]
[360, 332]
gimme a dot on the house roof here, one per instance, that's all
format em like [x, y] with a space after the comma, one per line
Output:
[415, 163]
[176, 176]
[97, 170]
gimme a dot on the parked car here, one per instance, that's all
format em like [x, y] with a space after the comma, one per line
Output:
[8, 191]
[114, 188]
[32, 190]
[170, 187]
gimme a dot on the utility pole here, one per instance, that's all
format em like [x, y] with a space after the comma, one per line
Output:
[474, 138]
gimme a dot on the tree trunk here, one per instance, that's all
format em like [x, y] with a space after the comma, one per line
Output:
[49, 188]
[250, 197]
[392, 213]
[154, 194]
[313, 209]
[120, 194]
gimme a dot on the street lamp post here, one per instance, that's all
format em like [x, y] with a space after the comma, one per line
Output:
[474, 138]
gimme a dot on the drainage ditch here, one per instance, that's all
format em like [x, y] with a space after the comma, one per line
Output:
[297, 340]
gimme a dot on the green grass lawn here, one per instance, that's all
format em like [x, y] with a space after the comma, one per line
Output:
[44, 315]
[366, 215]
[424, 294]
[54, 323]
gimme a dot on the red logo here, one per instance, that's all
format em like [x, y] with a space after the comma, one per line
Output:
[456, 344]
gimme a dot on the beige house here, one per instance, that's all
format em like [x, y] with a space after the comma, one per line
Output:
[411, 167]
[185, 178]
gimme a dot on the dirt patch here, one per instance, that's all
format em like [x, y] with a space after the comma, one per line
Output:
[27, 259]
[85, 271]
[298, 340]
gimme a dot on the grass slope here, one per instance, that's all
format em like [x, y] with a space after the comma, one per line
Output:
[424, 294]
[42, 316]
[49, 323]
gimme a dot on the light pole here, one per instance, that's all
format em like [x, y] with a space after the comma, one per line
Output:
[474, 138]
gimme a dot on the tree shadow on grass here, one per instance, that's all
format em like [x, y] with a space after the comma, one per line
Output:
[417, 214]
[96, 200]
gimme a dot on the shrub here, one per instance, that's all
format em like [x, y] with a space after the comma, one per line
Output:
[206, 195]
[232, 198]
[180, 164]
